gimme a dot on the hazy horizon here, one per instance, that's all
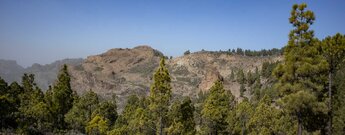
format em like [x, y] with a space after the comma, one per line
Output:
[45, 31]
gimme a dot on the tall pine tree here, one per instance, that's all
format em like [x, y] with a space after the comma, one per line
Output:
[81, 112]
[238, 117]
[160, 95]
[182, 118]
[34, 114]
[216, 108]
[301, 76]
[61, 98]
[334, 51]
[338, 122]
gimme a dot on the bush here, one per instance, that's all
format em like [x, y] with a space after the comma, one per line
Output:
[186, 52]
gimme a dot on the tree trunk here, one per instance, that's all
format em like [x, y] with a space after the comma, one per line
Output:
[243, 128]
[299, 124]
[161, 126]
[330, 103]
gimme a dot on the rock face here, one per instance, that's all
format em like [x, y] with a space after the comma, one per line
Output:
[129, 71]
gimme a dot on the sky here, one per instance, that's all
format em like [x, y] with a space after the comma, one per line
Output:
[42, 31]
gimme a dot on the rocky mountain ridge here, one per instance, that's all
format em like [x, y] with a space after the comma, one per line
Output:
[129, 71]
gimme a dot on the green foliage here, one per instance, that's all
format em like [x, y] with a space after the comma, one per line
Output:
[5, 104]
[333, 49]
[33, 112]
[60, 98]
[240, 77]
[80, 114]
[135, 119]
[298, 100]
[239, 51]
[301, 77]
[216, 109]
[107, 110]
[239, 117]
[141, 124]
[339, 102]
[242, 90]
[199, 103]
[265, 119]
[250, 78]
[186, 52]
[248, 52]
[267, 68]
[97, 126]
[182, 118]
[268, 119]
[160, 94]
[3, 86]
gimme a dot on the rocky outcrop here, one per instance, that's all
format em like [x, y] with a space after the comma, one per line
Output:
[129, 71]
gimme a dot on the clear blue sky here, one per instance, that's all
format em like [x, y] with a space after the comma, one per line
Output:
[42, 31]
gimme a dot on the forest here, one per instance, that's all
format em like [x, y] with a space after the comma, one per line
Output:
[304, 94]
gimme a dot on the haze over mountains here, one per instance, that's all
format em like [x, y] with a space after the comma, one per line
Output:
[45, 74]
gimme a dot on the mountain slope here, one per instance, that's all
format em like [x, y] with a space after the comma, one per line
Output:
[45, 75]
[129, 71]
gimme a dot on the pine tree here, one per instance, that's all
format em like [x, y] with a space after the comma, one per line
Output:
[182, 118]
[14, 91]
[5, 103]
[301, 75]
[338, 122]
[61, 98]
[98, 125]
[334, 51]
[240, 77]
[160, 95]
[135, 119]
[216, 108]
[107, 110]
[34, 114]
[238, 118]
[265, 119]
[250, 78]
[81, 112]
[3, 86]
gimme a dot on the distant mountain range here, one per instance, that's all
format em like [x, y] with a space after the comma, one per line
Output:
[45, 75]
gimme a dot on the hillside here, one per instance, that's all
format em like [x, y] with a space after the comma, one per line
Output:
[129, 71]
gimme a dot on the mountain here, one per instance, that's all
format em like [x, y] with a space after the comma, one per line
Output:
[129, 71]
[45, 75]
[10, 71]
